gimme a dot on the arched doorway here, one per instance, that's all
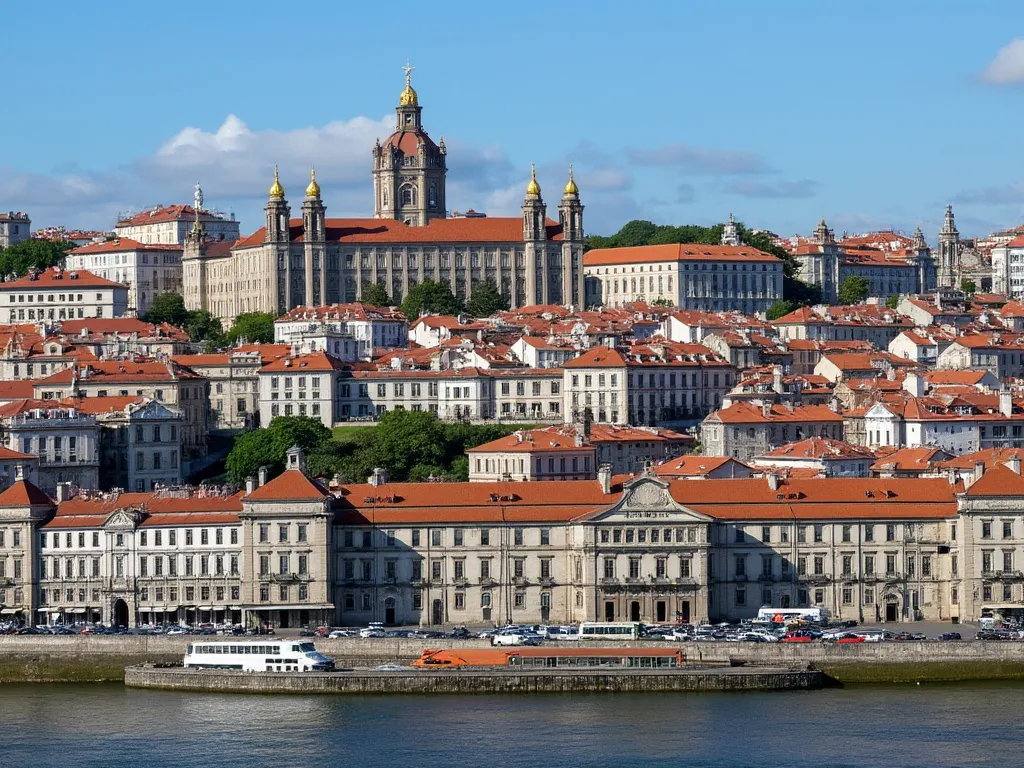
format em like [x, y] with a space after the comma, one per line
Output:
[120, 613]
[892, 608]
[389, 610]
[437, 613]
[634, 611]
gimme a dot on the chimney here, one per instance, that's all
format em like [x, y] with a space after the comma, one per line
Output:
[604, 477]
[1014, 465]
[914, 385]
[263, 476]
[250, 484]
[979, 470]
[766, 408]
[773, 480]
[1005, 401]
[378, 478]
[64, 491]
[777, 379]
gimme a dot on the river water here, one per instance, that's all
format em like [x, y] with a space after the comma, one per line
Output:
[108, 725]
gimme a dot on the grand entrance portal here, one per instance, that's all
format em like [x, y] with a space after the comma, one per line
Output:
[120, 613]
[892, 610]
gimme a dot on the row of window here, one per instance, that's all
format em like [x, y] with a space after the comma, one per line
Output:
[817, 533]
[846, 562]
[437, 537]
[71, 539]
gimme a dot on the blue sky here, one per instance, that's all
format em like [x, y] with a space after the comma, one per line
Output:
[871, 114]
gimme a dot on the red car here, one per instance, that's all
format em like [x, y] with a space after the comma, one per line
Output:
[850, 639]
[792, 638]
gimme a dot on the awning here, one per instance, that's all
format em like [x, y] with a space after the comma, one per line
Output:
[79, 610]
[1003, 607]
[298, 607]
[205, 607]
[10, 611]
[235, 607]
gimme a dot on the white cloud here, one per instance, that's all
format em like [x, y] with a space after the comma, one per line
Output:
[779, 189]
[1008, 65]
[699, 160]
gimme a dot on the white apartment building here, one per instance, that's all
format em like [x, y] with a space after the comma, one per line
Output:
[170, 225]
[537, 352]
[61, 294]
[349, 332]
[535, 454]
[1008, 268]
[63, 439]
[140, 443]
[147, 270]
[688, 275]
[234, 385]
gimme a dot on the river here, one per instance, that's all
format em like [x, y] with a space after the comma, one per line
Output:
[106, 725]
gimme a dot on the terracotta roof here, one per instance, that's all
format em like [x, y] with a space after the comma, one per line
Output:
[311, 362]
[290, 485]
[820, 448]
[370, 231]
[674, 252]
[16, 390]
[1000, 480]
[24, 494]
[164, 213]
[6, 454]
[598, 357]
[155, 503]
[121, 245]
[55, 278]
[120, 325]
[908, 460]
[990, 457]
[201, 361]
[746, 413]
[533, 440]
[351, 311]
[693, 466]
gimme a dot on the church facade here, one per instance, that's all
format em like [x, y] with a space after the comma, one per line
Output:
[314, 260]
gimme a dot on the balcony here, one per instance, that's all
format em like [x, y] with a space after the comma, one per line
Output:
[819, 578]
[610, 580]
[284, 578]
[521, 581]
[461, 581]
[660, 580]
[739, 577]
[634, 580]
[686, 581]
[546, 581]
[487, 581]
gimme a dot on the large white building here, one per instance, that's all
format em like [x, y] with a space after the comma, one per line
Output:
[61, 294]
[147, 270]
[349, 332]
[687, 275]
[170, 225]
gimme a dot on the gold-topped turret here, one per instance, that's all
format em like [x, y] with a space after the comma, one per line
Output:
[408, 97]
[533, 188]
[570, 186]
[276, 190]
[313, 190]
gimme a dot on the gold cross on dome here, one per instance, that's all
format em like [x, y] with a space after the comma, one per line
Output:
[408, 71]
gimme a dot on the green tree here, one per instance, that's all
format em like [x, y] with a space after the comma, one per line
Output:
[34, 253]
[663, 303]
[853, 290]
[253, 327]
[968, 286]
[430, 296]
[167, 308]
[892, 302]
[486, 300]
[780, 308]
[636, 232]
[200, 325]
[266, 447]
[376, 295]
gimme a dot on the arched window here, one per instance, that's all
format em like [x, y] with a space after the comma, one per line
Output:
[408, 195]
[385, 198]
[433, 195]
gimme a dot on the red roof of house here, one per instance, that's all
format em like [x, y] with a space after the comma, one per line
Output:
[1000, 480]
[641, 254]
[60, 278]
[24, 494]
[311, 362]
[742, 412]
[290, 485]
[820, 448]
[693, 466]
[598, 357]
[123, 244]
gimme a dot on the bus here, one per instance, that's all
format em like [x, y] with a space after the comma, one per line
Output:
[609, 630]
[554, 658]
[258, 656]
[792, 615]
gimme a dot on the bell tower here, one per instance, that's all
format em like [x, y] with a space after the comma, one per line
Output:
[535, 237]
[949, 251]
[409, 169]
[570, 216]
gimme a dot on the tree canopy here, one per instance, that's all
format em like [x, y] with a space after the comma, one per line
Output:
[199, 324]
[968, 286]
[254, 327]
[486, 300]
[892, 302]
[376, 295]
[167, 308]
[430, 296]
[639, 232]
[266, 447]
[34, 253]
[854, 290]
[779, 309]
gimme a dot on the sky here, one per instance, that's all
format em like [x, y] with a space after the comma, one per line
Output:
[873, 114]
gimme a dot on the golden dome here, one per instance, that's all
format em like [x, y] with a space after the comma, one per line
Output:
[533, 188]
[313, 190]
[276, 190]
[408, 97]
[570, 186]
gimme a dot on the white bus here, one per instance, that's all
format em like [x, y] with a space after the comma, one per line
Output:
[790, 615]
[609, 630]
[258, 656]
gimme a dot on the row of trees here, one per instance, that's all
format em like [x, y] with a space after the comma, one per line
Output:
[33, 253]
[201, 326]
[411, 445]
[435, 297]
[640, 232]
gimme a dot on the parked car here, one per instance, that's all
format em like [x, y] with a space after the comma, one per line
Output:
[950, 636]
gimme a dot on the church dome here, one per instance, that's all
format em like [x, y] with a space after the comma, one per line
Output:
[570, 186]
[533, 188]
[276, 190]
[313, 190]
[408, 97]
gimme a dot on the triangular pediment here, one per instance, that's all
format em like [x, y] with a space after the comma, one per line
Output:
[154, 410]
[123, 519]
[648, 498]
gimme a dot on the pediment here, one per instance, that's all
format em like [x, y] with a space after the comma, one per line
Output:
[123, 520]
[648, 498]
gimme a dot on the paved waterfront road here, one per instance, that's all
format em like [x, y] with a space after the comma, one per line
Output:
[871, 727]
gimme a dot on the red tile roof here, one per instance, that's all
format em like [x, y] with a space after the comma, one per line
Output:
[310, 362]
[693, 466]
[290, 485]
[820, 448]
[1000, 480]
[598, 357]
[747, 413]
[121, 245]
[55, 278]
[24, 494]
[641, 254]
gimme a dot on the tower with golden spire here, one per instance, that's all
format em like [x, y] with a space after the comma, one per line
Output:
[570, 216]
[409, 169]
[314, 246]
